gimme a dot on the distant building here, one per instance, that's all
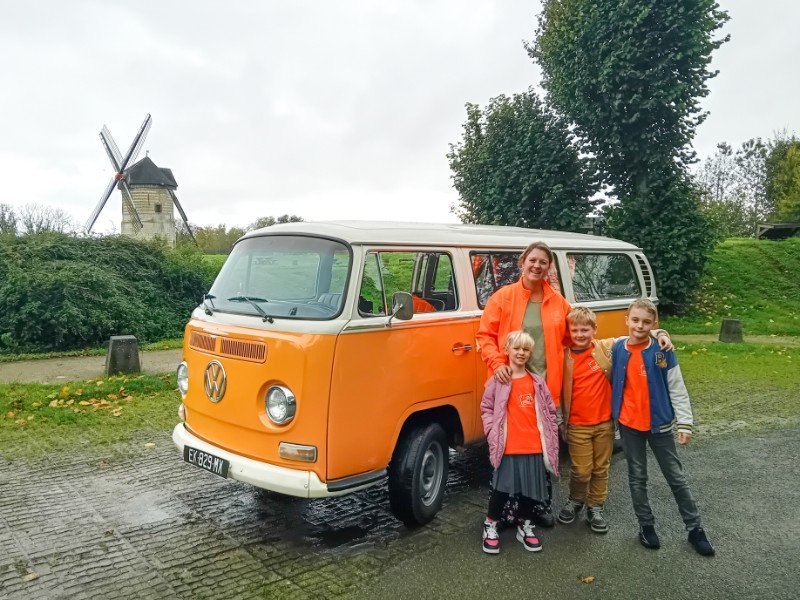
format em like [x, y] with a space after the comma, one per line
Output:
[777, 231]
[150, 188]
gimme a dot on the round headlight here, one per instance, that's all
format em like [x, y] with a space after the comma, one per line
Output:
[280, 404]
[183, 378]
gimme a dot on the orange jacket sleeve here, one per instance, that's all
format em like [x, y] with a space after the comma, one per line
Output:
[488, 334]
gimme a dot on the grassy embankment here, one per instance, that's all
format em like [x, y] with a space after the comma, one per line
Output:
[755, 281]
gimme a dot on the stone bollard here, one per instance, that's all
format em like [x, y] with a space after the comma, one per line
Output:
[731, 331]
[123, 355]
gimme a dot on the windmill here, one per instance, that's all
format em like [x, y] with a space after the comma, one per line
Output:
[136, 181]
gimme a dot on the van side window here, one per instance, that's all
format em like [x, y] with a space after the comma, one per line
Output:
[428, 276]
[603, 277]
[493, 270]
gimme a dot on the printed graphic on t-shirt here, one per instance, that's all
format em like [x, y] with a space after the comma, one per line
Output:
[593, 366]
[521, 429]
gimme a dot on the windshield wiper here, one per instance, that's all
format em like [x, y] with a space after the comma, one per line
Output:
[210, 298]
[252, 301]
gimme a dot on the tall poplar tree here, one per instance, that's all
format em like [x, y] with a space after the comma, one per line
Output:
[630, 75]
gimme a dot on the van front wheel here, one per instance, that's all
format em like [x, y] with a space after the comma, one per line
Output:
[418, 474]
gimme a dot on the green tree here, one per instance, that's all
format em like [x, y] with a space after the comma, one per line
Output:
[630, 76]
[783, 179]
[725, 196]
[270, 221]
[217, 239]
[8, 220]
[517, 165]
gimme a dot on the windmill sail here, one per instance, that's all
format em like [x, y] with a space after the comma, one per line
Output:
[127, 199]
[120, 163]
[97, 209]
[183, 214]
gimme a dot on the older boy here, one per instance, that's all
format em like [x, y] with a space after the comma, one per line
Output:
[587, 424]
[648, 398]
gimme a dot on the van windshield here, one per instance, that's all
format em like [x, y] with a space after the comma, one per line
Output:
[291, 277]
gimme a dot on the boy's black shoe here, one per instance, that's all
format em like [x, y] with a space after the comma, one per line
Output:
[544, 518]
[569, 512]
[596, 520]
[698, 539]
[648, 537]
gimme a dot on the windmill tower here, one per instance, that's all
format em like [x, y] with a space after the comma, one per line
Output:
[148, 192]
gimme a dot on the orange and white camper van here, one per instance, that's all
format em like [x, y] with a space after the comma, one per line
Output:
[329, 356]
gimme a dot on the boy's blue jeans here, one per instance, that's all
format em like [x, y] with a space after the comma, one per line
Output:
[663, 446]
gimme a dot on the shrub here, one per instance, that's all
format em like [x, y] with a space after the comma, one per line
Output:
[59, 292]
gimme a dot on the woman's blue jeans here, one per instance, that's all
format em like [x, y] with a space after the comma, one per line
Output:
[663, 446]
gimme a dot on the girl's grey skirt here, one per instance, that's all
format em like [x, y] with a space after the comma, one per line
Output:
[522, 474]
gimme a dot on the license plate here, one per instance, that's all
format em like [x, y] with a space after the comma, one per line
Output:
[204, 460]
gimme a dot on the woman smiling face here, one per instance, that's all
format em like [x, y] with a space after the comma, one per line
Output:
[535, 267]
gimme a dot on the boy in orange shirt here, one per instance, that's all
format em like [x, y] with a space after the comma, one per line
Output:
[649, 399]
[587, 424]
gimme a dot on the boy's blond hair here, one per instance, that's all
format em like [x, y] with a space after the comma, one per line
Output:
[580, 315]
[645, 304]
[519, 339]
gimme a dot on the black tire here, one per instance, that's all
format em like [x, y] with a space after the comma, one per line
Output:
[418, 474]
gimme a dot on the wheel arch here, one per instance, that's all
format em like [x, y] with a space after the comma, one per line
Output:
[446, 415]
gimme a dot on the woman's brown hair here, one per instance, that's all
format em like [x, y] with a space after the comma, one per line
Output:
[535, 246]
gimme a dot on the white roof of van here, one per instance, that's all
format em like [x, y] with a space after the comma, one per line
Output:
[442, 234]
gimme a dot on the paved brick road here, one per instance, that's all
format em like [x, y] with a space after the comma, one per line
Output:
[140, 523]
[145, 525]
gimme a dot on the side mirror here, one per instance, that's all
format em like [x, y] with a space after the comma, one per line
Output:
[402, 307]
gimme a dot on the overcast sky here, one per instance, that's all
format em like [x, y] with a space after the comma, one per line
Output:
[323, 109]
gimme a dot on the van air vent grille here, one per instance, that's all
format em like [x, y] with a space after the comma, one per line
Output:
[647, 274]
[202, 341]
[252, 351]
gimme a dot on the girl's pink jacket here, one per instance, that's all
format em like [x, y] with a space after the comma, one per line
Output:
[494, 407]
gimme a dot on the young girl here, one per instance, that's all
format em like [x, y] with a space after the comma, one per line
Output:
[519, 419]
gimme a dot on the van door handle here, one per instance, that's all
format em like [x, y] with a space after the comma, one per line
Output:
[461, 348]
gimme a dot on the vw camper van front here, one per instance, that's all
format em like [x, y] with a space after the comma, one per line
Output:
[258, 354]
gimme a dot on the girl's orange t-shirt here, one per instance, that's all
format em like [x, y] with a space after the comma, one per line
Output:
[523, 433]
[635, 411]
[591, 391]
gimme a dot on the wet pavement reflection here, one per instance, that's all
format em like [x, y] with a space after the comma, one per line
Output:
[145, 524]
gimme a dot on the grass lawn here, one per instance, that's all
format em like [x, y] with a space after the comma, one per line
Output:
[733, 387]
[89, 416]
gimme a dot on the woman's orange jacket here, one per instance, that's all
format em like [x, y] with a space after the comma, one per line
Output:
[505, 312]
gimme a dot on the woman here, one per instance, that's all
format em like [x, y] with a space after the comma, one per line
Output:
[533, 306]
[530, 304]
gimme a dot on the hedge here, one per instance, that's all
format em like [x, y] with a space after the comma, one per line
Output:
[60, 292]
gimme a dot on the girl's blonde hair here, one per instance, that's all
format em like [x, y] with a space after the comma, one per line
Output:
[520, 339]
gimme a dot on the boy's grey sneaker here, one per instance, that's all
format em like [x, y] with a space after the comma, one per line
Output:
[698, 539]
[596, 520]
[648, 537]
[569, 512]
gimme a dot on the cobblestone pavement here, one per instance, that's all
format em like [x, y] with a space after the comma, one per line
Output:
[140, 523]
[146, 525]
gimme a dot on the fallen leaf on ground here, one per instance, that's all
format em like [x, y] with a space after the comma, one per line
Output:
[11, 414]
[30, 577]
[149, 445]
[36, 405]
[587, 579]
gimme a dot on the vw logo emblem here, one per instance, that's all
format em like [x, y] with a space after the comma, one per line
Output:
[215, 381]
